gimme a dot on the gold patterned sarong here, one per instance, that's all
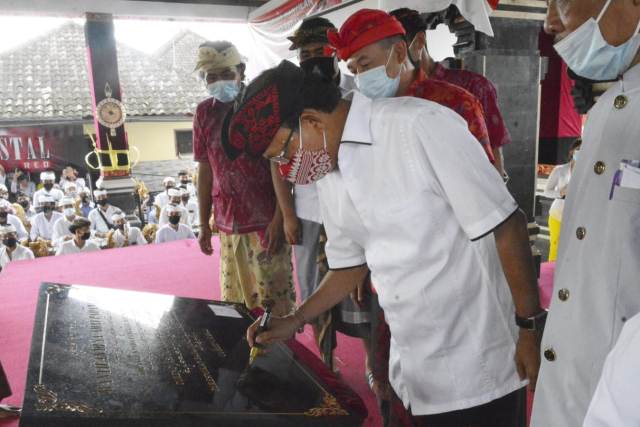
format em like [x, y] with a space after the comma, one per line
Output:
[249, 275]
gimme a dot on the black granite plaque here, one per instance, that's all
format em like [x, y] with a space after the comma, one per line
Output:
[104, 357]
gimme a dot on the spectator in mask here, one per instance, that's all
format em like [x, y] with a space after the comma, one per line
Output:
[4, 192]
[174, 230]
[20, 183]
[81, 230]
[124, 234]
[11, 250]
[185, 182]
[86, 205]
[7, 218]
[175, 201]
[24, 201]
[101, 214]
[42, 224]
[61, 231]
[70, 176]
[48, 180]
[162, 199]
[191, 205]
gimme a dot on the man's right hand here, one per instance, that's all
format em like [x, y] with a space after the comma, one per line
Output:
[204, 240]
[278, 329]
[292, 229]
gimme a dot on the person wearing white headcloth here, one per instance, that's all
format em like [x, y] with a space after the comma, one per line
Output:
[80, 228]
[175, 200]
[162, 199]
[4, 192]
[42, 224]
[191, 205]
[174, 230]
[86, 205]
[124, 234]
[70, 176]
[7, 217]
[48, 180]
[61, 231]
[11, 250]
[101, 215]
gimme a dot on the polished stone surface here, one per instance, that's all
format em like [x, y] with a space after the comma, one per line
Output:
[104, 357]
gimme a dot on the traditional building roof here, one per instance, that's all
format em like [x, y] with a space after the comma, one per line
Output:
[180, 53]
[46, 79]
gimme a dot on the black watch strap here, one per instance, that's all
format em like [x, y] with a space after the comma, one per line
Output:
[535, 323]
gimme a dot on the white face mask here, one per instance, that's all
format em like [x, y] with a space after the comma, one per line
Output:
[69, 212]
[589, 55]
[376, 83]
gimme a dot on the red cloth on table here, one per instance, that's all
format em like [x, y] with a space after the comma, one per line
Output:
[242, 191]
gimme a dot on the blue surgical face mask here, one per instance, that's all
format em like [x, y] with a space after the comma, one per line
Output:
[224, 90]
[376, 83]
[589, 55]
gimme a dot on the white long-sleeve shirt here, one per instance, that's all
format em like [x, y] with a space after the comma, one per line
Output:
[70, 247]
[60, 231]
[18, 254]
[17, 223]
[166, 233]
[558, 180]
[194, 213]
[135, 237]
[97, 222]
[42, 227]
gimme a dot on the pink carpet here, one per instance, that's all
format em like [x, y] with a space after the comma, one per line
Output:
[176, 268]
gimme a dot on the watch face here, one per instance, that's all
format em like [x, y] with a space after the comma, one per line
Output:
[110, 113]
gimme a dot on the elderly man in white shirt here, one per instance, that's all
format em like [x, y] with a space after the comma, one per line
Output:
[11, 250]
[191, 205]
[597, 272]
[48, 180]
[42, 224]
[124, 234]
[175, 201]
[174, 230]
[7, 218]
[100, 215]
[447, 247]
[81, 230]
[61, 231]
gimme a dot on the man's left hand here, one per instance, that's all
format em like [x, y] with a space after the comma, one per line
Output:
[528, 356]
[274, 235]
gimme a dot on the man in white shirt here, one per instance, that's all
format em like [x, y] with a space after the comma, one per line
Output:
[81, 230]
[299, 203]
[42, 224]
[596, 278]
[48, 180]
[447, 247]
[70, 176]
[124, 234]
[175, 201]
[4, 192]
[11, 250]
[101, 214]
[162, 199]
[185, 182]
[7, 218]
[174, 230]
[191, 205]
[61, 232]
[86, 205]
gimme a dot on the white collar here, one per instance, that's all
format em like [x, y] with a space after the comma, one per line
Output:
[357, 129]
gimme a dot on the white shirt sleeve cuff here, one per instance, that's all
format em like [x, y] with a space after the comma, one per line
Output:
[348, 262]
[492, 220]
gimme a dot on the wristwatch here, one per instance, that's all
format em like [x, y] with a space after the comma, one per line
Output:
[535, 323]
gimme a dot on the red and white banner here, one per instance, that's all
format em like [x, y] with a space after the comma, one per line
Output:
[38, 148]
